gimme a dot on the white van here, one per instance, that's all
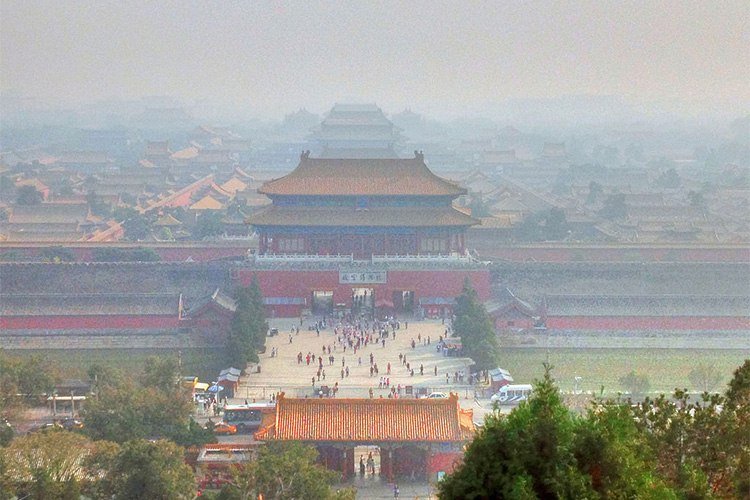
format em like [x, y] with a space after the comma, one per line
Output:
[511, 394]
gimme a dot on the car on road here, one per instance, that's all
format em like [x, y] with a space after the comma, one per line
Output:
[225, 428]
[273, 332]
[512, 394]
[437, 395]
[72, 423]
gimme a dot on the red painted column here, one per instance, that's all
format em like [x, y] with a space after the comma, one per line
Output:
[389, 471]
[345, 465]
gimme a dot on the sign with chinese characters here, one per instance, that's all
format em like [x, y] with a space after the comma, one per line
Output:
[360, 277]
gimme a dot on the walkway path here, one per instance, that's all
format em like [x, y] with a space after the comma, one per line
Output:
[284, 373]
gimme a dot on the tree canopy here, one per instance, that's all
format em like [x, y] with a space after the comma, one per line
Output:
[209, 224]
[153, 470]
[247, 331]
[614, 207]
[547, 225]
[476, 328]
[28, 195]
[124, 411]
[286, 471]
[543, 451]
[663, 448]
[22, 376]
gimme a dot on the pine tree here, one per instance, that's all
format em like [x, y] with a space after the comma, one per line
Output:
[476, 329]
[247, 331]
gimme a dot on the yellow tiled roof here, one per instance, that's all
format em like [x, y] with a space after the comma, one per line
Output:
[207, 203]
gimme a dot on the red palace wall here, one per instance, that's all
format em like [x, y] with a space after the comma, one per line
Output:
[616, 253]
[300, 284]
[168, 253]
[86, 322]
[443, 462]
[647, 323]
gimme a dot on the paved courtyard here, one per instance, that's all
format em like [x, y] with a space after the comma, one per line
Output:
[284, 373]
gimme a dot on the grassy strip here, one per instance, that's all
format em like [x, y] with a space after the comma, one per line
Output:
[74, 363]
[666, 369]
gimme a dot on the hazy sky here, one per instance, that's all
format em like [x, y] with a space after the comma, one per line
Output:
[273, 57]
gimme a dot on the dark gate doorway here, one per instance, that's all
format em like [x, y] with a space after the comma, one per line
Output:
[403, 301]
[322, 301]
[362, 299]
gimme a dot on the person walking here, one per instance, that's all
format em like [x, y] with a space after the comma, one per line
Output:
[395, 491]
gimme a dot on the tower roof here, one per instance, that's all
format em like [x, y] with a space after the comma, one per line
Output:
[362, 177]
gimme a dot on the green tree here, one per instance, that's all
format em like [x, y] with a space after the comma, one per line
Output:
[121, 214]
[637, 386]
[476, 329]
[28, 195]
[127, 411]
[30, 376]
[286, 471]
[142, 254]
[160, 373]
[669, 179]
[209, 224]
[151, 471]
[547, 225]
[543, 451]
[97, 206]
[478, 207]
[696, 199]
[701, 448]
[128, 199]
[704, 377]
[48, 466]
[248, 328]
[107, 254]
[595, 190]
[614, 207]
[136, 228]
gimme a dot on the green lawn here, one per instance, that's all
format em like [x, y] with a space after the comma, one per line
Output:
[74, 363]
[666, 369]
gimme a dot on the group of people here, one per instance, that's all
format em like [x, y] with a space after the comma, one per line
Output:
[359, 333]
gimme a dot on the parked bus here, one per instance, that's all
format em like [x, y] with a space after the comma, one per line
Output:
[246, 417]
[511, 394]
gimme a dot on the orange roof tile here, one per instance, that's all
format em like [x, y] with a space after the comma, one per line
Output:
[368, 420]
[342, 177]
[207, 203]
[233, 185]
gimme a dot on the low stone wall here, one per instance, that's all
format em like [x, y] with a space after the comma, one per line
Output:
[88, 341]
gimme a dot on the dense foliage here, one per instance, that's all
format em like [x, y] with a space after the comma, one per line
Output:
[247, 331]
[157, 408]
[667, 448]
[285, 471]
[547, 225]
[117, 254]
[28, 195]
[476, 328]
[21, 379]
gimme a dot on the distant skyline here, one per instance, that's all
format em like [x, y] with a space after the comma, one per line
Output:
[442, 58]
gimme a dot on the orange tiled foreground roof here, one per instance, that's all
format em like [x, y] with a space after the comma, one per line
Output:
[368, 420]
